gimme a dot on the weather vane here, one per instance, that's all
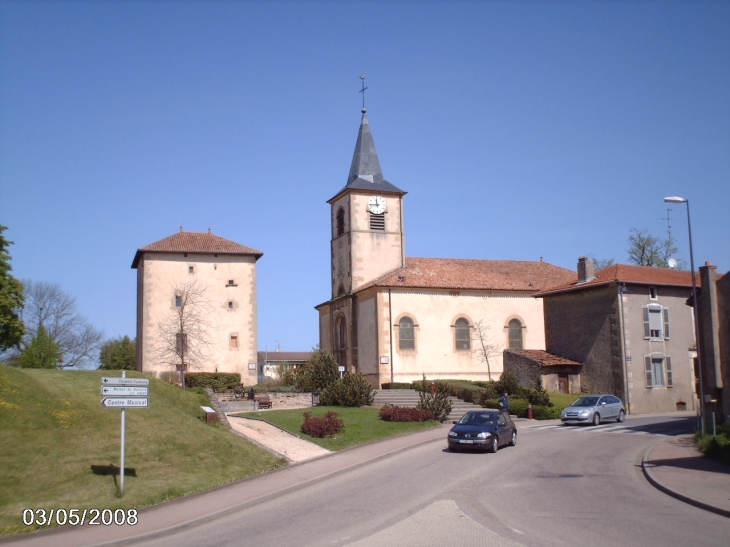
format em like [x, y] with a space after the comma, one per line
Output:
[363, 90]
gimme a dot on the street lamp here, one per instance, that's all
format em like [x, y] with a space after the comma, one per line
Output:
[676, 199]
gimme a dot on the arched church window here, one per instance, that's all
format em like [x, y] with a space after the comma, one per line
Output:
[462, 334]
[406, 339]
[515, 334]
[340, 221]
[341, 341]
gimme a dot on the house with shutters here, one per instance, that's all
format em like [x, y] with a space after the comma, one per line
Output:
[632, 330]
[205, 286]
[394, 318]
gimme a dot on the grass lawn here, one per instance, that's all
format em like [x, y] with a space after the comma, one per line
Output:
[53, 429]
[562, 400]
[362, 425]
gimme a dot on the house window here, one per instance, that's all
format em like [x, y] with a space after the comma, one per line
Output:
[231, 283]
[658, 371]
[178, 301]
[406, 339]
[652, 293]
[233, 341]
[230, 304]
[191, 269]
[656, 322]
[377, 222]
[462, 334]
[340, 221]
[515, 334]
[181, 343]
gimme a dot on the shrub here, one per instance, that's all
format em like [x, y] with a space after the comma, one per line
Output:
[540, 412]
[438, 403]
[317, 373]
[217, 381]
[539, 396]
[508, 382]
[350, 390]
[404, 414]
[490, 391]
[328, 425]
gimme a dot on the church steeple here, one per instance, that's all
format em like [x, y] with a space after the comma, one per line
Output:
[365, 171]
[365, 164]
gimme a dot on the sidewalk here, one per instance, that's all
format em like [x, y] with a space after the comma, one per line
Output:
[677, 468]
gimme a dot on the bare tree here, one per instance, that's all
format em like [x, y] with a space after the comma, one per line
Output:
[47, 304]
[184, 337]
[486, 348]
[646, 249]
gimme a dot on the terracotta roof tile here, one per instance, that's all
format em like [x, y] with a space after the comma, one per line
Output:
[543, 357]
[468, 274]
[624, 273]
[196, 242]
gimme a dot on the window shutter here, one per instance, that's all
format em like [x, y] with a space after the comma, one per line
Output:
[668, 364]
[666, 323]
[647, 370]
[646, 322]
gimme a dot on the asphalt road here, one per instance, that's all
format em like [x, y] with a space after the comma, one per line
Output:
[560, 486]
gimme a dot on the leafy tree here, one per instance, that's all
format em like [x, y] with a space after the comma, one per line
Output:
[11, 300]
[41, 351]
[648, 250]
[48, 305]
[119, 354]
[184, 336]
[318, 372]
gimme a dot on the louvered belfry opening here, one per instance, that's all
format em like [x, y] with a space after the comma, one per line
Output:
[377, 222]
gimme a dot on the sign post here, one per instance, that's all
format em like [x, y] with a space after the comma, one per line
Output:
[125, 393]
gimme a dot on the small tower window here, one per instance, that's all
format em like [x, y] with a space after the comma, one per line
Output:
[191, 269]
[178, 301]
[230, 304]
[340, 221]
[377, 222]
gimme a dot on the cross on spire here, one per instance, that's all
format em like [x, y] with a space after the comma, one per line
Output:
[363, 91]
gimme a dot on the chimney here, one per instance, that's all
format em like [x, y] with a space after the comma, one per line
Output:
[585, 269]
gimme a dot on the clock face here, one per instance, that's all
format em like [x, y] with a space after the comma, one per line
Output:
[376, 205]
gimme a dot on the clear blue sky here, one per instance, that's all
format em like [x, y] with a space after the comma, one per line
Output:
[519, 130]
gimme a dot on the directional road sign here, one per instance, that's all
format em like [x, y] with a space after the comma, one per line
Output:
[125, 381]
[125, 390]
[124, 402]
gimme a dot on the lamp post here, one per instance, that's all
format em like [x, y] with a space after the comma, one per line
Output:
[676, 199]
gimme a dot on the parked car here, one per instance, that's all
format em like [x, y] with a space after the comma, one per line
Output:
[594, 409]
[484, 430]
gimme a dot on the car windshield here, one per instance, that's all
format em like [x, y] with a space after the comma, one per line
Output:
[477, 418]
[586, 401]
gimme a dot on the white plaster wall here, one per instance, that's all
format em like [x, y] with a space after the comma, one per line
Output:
[160, 272]
[434, 313]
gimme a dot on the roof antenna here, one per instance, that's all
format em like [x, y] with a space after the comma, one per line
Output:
[363, 92]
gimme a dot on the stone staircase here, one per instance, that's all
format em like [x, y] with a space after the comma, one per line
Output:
[409, 398]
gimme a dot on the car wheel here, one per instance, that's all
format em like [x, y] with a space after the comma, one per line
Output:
[494, 445]
[596, 418]
[513, 441]
[621, 416]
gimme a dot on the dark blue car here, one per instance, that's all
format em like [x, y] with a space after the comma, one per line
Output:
[483, 430]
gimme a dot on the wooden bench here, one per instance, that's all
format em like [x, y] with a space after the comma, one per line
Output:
[264, 401]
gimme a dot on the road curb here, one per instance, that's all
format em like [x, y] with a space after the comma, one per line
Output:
[645, 467]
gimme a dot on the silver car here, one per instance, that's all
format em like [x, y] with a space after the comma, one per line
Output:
[594, 409]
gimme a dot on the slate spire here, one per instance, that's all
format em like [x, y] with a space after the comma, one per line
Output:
[365, 171]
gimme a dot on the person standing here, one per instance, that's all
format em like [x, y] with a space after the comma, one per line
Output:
[504, 402]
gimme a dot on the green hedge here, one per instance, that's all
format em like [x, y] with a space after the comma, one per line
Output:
[217, 381]
[396, 385]
[518, 407]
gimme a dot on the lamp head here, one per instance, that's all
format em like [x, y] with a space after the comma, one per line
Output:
[675, 199]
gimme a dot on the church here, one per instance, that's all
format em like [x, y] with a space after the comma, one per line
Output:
[394, 318]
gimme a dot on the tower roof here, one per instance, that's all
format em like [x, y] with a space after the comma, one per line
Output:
[196, 242]
[365, 171]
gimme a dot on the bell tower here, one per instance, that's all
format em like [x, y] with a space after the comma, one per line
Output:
[367, 221]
